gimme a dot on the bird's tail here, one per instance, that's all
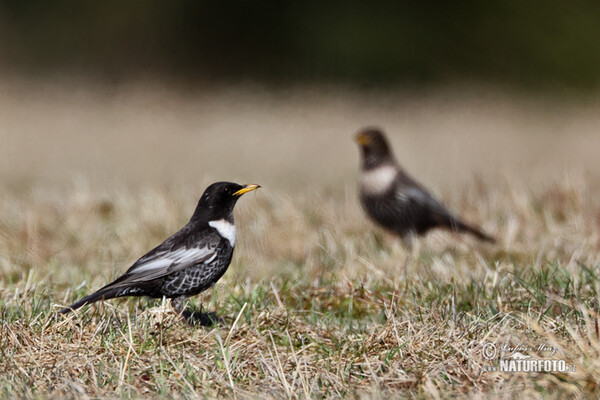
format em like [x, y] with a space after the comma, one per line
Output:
[460, 226]
[102, 294]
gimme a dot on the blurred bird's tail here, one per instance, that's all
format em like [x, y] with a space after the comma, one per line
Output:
[460, 226]
[102, 294]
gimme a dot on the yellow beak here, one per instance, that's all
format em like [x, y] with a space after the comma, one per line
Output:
[362, 139]
[246, 189]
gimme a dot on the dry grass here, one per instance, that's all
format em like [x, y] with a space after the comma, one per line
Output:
[316, 303]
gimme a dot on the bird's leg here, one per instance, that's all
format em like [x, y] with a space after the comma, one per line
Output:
[177, 304]
[408, 240]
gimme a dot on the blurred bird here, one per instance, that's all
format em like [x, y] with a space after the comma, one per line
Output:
[394, 200]
[187, 263]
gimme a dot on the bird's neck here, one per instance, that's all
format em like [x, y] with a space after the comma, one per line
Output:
[207, 213]
[372, 161]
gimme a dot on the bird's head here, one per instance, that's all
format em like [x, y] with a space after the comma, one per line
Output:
[218, 200]
[374, 147]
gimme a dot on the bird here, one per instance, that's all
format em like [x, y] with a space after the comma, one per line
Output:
[395, 200]
[187, 263]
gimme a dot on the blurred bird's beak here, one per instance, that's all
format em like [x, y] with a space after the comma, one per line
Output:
[246, 189]
[362, 139]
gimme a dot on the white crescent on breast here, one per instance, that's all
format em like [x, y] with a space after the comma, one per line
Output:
[378, 180]
[225, 229]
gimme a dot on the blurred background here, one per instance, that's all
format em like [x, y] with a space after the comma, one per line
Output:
[532, 44]
[174, 92]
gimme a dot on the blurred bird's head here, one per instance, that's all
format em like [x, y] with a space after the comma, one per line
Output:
[218, 200]
[374, 147]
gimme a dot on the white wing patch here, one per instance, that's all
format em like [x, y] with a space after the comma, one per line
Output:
[189, 256]
[154, 264]
[225, 229]
[180, 259]
[379, 179]
[408, 193]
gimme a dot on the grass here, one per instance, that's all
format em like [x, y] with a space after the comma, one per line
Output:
[317, 301]
[325, 312]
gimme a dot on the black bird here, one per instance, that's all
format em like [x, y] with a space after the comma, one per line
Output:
[188, 262]
[396, 201]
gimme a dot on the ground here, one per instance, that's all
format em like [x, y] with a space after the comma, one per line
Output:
[318, 302]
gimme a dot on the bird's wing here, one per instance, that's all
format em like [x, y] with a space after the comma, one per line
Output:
[166, 259]
[419, 200]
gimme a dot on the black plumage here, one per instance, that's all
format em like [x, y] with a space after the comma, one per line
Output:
[187, 263]
[396, 201]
